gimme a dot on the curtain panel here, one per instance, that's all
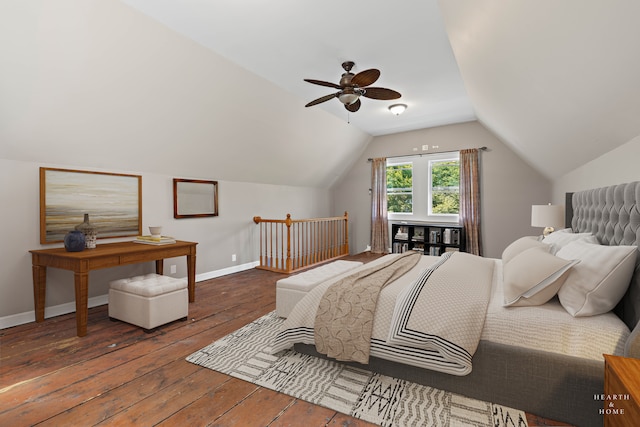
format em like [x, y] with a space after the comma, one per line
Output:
[379, 225]
[470, 199]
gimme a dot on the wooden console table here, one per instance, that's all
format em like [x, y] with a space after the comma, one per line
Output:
[103, 256]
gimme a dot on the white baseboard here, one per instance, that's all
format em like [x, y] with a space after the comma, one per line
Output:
[56, 310]
[225, 271]
[70, 307]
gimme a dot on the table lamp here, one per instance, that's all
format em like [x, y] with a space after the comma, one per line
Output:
[548, 216]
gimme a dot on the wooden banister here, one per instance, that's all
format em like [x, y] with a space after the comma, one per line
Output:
[288, 245]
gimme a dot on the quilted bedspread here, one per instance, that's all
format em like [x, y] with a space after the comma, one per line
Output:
[444, 310]
[431, 317]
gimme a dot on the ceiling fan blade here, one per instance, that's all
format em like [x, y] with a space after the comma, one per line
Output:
[381, 93]
[366, 77]
[353, 107]
[322, 83]
[322, 99]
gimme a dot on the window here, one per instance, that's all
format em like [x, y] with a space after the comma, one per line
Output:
[424, 188]
[444, 197]
[400, 188]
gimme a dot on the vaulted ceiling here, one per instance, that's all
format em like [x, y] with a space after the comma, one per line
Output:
[213, 88]
[286, 41]
[556, 81]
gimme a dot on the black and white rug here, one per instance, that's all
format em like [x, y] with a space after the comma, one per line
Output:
[375, 398]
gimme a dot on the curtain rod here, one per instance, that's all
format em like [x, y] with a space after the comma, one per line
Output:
[426, 154]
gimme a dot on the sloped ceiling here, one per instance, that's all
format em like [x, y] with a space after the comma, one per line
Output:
[100, 85]
[556, 81]
[286, 41]
[212, 89]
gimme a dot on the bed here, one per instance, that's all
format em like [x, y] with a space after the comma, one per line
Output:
[537, 358]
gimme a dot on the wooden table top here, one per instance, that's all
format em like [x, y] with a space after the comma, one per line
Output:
[107, 249]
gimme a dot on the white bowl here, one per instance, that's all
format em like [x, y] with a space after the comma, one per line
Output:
[156, 231]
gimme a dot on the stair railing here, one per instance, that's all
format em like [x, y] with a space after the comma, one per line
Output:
[288, 245]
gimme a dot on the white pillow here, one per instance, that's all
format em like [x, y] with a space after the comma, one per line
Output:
[562, 238]
[533, 277]
[521, 245]
[598, 283]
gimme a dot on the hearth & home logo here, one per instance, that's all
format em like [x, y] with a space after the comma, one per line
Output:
[610, 403]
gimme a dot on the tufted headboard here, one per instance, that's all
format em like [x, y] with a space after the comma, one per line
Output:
[612, 214]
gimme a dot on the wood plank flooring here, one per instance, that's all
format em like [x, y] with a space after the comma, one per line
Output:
[119, 375]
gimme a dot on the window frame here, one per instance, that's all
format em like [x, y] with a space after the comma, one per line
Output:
[422, 184]
[401, 162]
[445, 157]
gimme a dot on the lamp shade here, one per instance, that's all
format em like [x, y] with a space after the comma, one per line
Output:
[348, 98]
[547, 216]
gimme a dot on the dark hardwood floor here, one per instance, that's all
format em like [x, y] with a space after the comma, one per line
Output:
[119, 375]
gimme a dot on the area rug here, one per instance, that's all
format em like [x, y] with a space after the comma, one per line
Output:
[362, 394]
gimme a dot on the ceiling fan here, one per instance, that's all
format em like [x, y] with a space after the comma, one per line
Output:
[353, 86]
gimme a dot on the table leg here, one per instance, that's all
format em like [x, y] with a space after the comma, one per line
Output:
[191, 276]
[159, 266]
[81, 281]
[39, 290]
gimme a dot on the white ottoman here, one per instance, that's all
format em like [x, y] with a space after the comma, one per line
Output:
[148, 301]
[291, 289]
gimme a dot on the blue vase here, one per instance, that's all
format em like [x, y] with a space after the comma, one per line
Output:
[74, 241]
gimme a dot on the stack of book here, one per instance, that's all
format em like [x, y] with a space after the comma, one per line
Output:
[402, 233]
[399, 248]
[153, 240]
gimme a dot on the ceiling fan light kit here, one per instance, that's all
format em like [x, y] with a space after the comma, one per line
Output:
[397, 109]
[353, 86]
[348, 96]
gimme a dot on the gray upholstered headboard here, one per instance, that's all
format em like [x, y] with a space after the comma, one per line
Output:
[612, 214]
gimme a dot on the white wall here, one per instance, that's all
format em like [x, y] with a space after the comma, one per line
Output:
[97, 83]
[232, 232]
[509, 186]
[615, 167]
[99, 86]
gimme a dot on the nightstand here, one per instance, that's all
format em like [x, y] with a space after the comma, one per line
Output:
[621, 399]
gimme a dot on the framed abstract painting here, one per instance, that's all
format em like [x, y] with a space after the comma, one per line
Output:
[112, 201]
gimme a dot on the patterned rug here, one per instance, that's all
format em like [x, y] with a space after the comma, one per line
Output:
[372, 397]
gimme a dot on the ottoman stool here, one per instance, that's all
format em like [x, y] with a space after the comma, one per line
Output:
[291, 289]
[148, 301]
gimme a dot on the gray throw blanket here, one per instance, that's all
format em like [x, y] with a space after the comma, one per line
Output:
[344, 319]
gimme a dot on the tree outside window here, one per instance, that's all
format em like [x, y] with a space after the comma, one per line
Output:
[400, 188]
[445, 187]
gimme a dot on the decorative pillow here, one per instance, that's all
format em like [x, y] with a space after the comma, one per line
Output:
[562, 238]
[598, 283]
[533, 277]
[564, 230]
[521, 245]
